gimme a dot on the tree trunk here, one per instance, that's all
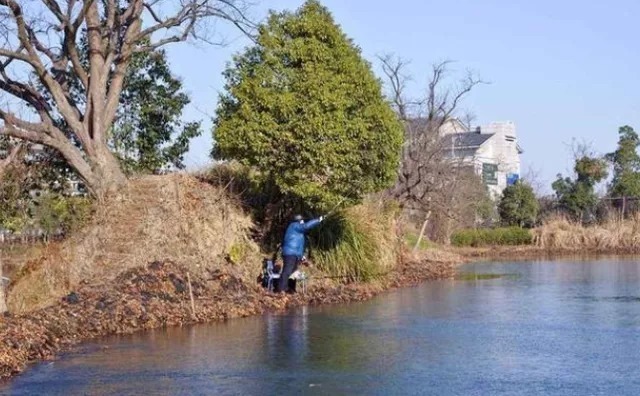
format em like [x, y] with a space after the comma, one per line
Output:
[100, 171]
[108, 176]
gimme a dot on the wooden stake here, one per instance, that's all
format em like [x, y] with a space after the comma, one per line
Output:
[193, 304]
[422, 230]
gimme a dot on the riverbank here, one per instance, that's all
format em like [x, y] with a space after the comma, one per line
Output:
[528, 252]
[157, 295]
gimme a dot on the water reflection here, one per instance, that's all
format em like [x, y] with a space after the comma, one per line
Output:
[564, 327]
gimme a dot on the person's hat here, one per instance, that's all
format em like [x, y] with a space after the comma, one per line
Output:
[298, 217]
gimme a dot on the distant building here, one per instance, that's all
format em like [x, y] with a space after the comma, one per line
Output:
[492, 149]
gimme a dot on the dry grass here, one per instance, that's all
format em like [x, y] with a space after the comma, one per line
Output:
[13, 256]
[614, 235]
[174, 218]
[436, 255]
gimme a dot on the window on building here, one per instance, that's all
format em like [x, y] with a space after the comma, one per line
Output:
[490, 174]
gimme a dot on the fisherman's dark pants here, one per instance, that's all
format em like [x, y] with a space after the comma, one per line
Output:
[289, 267]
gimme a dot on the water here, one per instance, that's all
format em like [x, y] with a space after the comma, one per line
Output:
[563, 327]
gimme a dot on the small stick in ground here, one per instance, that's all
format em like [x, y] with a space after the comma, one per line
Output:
[193, 304]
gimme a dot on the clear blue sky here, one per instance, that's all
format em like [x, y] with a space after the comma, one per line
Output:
[558, 69]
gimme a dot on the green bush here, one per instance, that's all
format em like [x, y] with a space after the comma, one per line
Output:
[518, 205]
[509, 236]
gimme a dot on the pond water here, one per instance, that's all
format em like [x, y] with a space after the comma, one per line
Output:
[566, 327]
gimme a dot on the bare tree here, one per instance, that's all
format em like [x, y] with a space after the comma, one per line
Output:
[533, 177]
[434, 170]
[40, 58]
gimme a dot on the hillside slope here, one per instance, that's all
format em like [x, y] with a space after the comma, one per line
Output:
[156, 218]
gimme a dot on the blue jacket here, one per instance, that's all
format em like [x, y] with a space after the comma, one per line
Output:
[294, 240]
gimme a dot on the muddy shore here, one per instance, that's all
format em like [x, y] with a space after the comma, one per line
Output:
[158, 296]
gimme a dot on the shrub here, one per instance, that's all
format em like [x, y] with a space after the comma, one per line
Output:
[510, 236]
[518, 206]
[55, 213]
[358, 244]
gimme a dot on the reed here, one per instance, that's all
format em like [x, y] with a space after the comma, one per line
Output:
[612, 235]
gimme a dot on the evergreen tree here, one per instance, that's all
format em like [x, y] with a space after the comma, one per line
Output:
[148, 135]
[626, 165]
[304, 108]
[577, 197]
[518, 205]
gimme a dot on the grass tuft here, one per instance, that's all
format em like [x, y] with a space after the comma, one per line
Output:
[411, 239]
[358, 244]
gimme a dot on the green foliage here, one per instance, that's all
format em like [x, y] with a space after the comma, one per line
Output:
[626, 165]
[270, 210]
[49, 212]
[518, 205]
[238, 252]
[357, 244]
[14, 197]
[30, 197]
[52, 212]
[484, 207]
[304, 108]
[148, 135]
[577, 197]
[510, 236]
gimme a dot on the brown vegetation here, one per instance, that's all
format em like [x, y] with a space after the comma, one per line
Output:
[172, 218]
[614, 235]
[560, 236]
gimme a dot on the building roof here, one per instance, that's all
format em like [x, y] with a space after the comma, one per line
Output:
[467, 139]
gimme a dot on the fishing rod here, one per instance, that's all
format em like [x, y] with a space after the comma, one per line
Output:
[335, 208]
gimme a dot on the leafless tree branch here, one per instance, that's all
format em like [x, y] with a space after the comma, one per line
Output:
[114, 31]
[433, 175]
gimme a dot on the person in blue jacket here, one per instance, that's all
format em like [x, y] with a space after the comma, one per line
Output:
[293, 247]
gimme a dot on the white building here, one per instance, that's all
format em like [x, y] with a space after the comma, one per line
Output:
[492, 149]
